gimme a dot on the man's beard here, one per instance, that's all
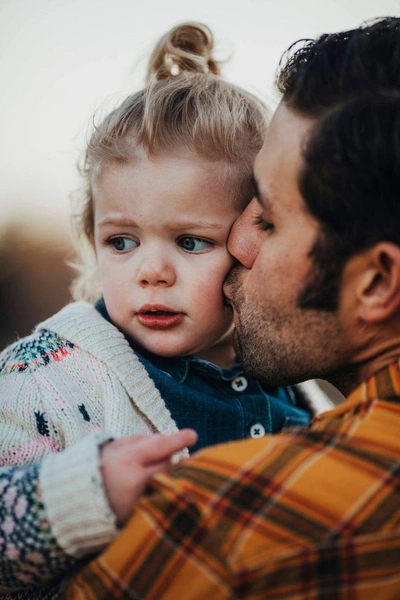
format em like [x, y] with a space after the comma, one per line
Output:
[262, 350]
[282, 344]
[253, 337]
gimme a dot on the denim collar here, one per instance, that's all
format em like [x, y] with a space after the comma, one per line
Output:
[179, 368]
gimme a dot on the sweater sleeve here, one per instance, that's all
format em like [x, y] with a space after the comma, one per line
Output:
[29, 552]
[52, 514]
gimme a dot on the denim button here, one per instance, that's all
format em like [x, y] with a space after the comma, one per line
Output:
[257, 430]
[239, 384]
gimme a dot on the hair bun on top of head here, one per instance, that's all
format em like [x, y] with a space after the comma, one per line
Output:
[185, 48]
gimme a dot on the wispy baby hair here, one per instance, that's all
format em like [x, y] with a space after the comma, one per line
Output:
[186, 109]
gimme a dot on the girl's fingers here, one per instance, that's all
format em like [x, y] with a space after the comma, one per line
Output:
[160, 448]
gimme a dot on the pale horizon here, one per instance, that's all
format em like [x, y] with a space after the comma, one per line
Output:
[63, 59]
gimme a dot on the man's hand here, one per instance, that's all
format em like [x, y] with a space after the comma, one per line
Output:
[130, 462]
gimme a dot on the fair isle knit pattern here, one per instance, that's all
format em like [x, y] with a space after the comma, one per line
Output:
[29, 553]
[64, 390]
[31, 527]
[35, 352]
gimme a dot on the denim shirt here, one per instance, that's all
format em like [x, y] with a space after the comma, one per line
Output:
[220, 404]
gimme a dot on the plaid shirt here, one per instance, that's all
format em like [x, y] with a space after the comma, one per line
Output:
[306, 514]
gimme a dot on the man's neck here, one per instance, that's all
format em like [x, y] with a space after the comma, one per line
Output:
[381, 356]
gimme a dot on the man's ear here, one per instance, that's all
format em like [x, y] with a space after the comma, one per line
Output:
[378, 289]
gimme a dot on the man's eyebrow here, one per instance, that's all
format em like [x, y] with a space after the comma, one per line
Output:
[256, 192]
[265, 203]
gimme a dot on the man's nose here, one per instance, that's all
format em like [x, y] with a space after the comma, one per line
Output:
[156, 270]
[243, 242]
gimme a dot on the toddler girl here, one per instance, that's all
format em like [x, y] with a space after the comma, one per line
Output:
[167, 173]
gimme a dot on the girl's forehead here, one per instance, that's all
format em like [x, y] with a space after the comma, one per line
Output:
[159, 185]
[191, 170]
[232, 181]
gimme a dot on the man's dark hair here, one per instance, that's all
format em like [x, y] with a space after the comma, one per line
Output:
[350, 83]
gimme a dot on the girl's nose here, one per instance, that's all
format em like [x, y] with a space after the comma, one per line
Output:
[156, 270]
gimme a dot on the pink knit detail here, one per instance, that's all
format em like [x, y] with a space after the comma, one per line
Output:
[28, 452]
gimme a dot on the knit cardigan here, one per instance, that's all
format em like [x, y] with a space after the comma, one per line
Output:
[65, 390]
[72, 384]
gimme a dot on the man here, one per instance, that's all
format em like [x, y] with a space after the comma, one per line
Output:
[309, 513]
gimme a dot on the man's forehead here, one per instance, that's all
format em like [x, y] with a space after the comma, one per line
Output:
[280, 158]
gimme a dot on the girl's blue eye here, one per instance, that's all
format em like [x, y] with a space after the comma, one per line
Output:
[123, 244]
[193, 244]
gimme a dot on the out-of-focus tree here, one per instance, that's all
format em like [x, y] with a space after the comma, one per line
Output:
[34, 276]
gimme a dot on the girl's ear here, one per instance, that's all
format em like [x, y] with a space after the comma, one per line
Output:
[378, 289]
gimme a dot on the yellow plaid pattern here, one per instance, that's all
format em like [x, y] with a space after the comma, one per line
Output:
[307, 514]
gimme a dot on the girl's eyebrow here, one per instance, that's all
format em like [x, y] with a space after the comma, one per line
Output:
[196, 225]
[178, 224]
[120, 221]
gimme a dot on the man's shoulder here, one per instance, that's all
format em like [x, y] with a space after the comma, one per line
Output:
[326, 479]
[266, 517]
[215, 470]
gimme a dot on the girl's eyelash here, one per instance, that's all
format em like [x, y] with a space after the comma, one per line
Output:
[261, 223]
[112, 241]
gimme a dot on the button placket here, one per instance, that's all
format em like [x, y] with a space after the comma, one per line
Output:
[239, 384]
[257, 430]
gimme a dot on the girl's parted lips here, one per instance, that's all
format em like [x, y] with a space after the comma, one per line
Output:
[157, 309]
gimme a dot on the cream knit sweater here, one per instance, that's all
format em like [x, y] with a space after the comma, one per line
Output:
[74, 383]
[65, 390]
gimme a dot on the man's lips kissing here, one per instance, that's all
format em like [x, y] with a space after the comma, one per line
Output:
[157, 316]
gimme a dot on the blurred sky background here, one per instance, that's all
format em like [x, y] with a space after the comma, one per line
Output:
[62, 59]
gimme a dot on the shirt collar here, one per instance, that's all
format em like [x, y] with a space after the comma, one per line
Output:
[183, 367]
[383, 385]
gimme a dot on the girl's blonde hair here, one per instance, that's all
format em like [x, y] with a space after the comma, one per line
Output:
[185, 109]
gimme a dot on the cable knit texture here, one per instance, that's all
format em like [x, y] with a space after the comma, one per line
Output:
[75, 379]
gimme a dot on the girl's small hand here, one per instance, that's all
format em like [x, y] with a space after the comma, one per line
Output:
[130, 462]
